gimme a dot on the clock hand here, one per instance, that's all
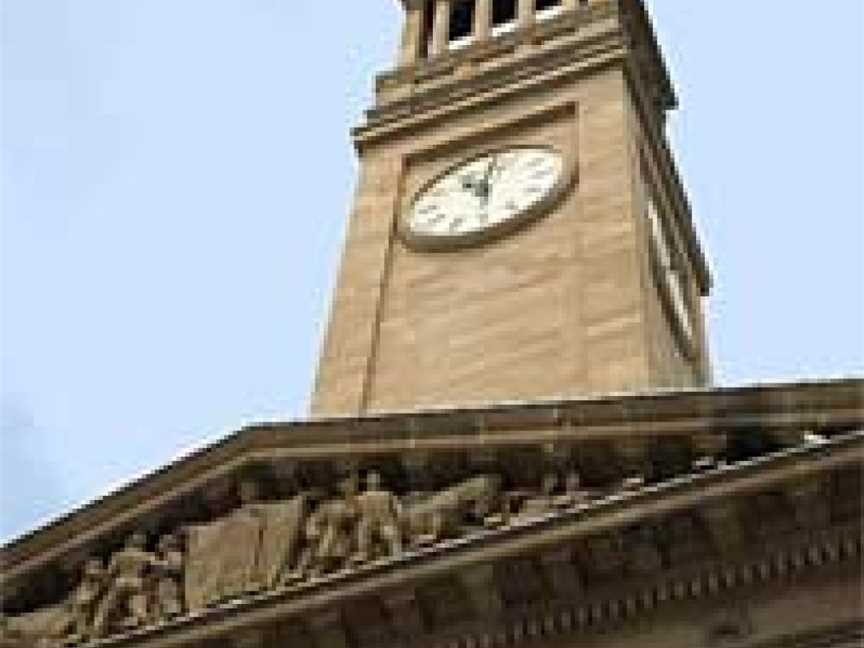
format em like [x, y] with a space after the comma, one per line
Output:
[469, 183]
[487, 179]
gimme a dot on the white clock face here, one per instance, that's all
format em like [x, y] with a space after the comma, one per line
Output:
[484, 194]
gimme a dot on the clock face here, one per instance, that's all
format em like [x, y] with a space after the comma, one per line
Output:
[484, 195]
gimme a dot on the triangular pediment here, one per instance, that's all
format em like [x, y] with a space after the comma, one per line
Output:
[600, 499]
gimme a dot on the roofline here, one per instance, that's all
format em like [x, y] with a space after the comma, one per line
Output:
[607, 410]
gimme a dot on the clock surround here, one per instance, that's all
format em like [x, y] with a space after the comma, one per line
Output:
[418, 239]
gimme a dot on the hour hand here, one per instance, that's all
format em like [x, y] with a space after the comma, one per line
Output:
[470, 183]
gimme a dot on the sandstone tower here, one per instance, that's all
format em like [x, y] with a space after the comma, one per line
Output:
[584, 281]
[515, 441]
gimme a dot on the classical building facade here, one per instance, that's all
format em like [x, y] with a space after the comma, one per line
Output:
[514, 438]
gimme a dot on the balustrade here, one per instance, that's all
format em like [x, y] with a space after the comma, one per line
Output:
[434, 27]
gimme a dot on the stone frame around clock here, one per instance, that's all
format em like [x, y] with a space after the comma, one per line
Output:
[567, 181]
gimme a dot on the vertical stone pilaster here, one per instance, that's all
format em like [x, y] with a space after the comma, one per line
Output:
[412, 35]
[351, 343]
[483, 20]
[612, 296]
[441, 27]
[526, 13]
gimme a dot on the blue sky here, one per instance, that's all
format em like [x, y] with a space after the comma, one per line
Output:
[175, 176]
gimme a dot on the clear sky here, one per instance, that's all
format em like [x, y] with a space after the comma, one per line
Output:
[176, 174]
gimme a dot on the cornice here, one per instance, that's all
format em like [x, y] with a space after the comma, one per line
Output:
[633, 25]
[606, 614]
[451, 82]
[521, 76]
[681, 414]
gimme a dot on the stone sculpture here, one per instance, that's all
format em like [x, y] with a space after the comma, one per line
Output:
[125, 604]
[330, 532]
[84, 602]
[444, 514]
[168, 576]
[380, 520]
[261, 545]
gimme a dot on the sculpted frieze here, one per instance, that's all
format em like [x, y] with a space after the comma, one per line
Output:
[297, 533]
[260, 545]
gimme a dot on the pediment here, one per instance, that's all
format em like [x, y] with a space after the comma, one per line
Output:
[592, 500]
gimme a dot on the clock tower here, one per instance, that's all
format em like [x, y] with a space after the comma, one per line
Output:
[520, 231]
[504, 450]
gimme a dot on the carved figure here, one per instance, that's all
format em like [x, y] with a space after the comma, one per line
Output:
[168, 576]
[330, 532]
[310, 537]
[84, 602]
[380, 519]
[127, 594]
[444, 514]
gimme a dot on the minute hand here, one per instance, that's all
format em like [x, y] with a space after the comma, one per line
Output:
[487, 179]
